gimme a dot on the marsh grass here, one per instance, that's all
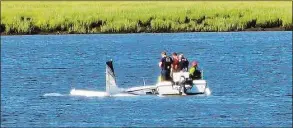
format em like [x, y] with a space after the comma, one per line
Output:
[131, 17]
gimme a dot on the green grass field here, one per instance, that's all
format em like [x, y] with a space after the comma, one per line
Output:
[149, 16]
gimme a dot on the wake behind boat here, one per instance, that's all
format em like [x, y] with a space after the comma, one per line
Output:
[181, 85]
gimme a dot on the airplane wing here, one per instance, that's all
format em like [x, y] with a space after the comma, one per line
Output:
[147, 88]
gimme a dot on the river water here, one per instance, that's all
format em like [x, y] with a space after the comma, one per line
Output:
[249, 74]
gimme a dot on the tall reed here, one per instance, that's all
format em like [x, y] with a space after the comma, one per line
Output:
[148, 16]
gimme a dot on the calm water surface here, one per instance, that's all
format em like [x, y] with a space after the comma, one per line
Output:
[249, 73]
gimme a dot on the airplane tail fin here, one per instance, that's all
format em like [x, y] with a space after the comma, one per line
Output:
[111, 86]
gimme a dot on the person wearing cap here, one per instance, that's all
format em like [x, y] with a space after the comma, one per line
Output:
[183, 63]
[194, 72]
[165, 65]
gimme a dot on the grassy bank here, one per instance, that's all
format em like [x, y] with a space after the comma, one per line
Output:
[130, 17]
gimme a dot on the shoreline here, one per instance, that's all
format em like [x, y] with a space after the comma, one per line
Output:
[55, 18]
[67, 33]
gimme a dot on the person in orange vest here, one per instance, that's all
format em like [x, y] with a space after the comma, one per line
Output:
[175, 65]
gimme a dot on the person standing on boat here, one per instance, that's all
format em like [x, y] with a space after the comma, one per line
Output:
[165, 65]
[183, 63]
[194, 72]
[175, 64]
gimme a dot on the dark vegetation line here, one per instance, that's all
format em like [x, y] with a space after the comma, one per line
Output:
[152, 25]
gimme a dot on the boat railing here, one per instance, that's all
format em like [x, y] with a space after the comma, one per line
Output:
[144, 80]
[202, 74]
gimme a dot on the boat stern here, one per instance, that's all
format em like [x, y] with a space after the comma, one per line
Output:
[199, 85]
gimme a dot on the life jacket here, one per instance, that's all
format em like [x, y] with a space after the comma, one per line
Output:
[196, 74]
[166, 63]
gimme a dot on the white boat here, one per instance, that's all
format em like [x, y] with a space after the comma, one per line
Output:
[181, 85]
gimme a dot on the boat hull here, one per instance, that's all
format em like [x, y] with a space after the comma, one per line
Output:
[197, 87]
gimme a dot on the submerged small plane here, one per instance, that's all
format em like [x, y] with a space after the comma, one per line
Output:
[181, 85]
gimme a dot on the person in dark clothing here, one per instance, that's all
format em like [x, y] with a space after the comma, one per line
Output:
[183, 63]
[165, 65]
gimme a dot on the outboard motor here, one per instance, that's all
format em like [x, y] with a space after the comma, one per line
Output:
[182, 79]
[182, 85]
[183, 82]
